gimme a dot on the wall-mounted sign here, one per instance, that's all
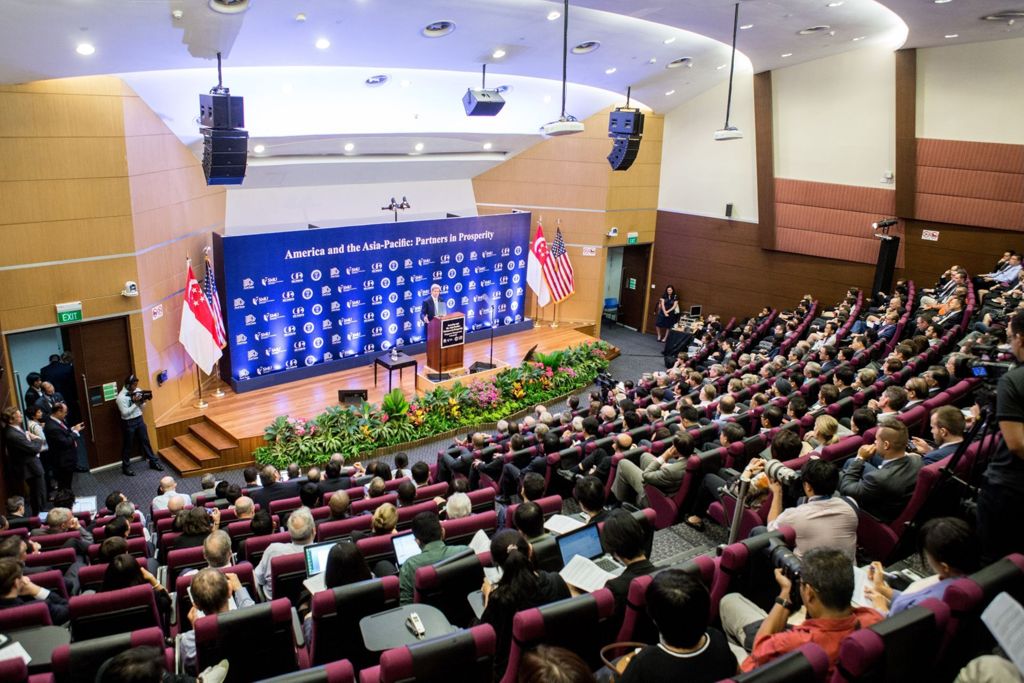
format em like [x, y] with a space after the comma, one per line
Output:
[632, 237]
[110, 391]
[590, 251]
[70, 312]
[930, 235]
[631, 284]
[157, 311]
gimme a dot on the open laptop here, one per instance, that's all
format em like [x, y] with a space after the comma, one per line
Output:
[405, 547]
[586, 541]
[316, 565]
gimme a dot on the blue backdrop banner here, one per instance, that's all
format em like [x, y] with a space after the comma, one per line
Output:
[301, 303]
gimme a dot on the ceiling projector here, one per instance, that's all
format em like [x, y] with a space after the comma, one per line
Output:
[563, 126]
[729, 133]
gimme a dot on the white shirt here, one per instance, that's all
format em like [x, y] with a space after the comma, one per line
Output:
[160, 502]
[262, 572]
[129, 408]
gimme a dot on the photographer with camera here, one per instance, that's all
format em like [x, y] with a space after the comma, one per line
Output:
[1001, 499]
[819, 519]
[825, 586]
[129, 402]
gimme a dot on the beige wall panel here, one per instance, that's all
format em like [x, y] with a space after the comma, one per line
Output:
[34, 115]
[151, 153]
[162, 271]
[68, 282]
[151, 190]
[29, 158]
[139, 119]
[167, 222]
[567, 173]
[633, 197]
[570, 197]
[85, 85]
[576, 148]
[61, 240]
[56, 200]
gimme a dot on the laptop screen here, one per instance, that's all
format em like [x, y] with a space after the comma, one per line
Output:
[584, 541]
[405, 547]
[316, 557]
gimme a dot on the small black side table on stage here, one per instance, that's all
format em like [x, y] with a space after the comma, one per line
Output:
[390, 364]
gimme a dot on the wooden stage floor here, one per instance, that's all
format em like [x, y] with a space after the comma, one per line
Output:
[245, 415]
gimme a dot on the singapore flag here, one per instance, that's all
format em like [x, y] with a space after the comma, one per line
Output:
[198, 330]
[535, 267]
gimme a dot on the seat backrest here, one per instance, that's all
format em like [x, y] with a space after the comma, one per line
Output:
[134, 531]
[576, 624]
[287, 572]
[900, 648]
[52, 541]
[80, 661]
[61, 558]
[13, 670]
[333, 672]
[25, 616]
[358, 507]
[376, 548]
[549, 505]
[102, 614]
[482, 499]
[90, 577]
[469, 652]
[968, 596]
[252, 548]
[807, 664]
[406, 514]
[342, 528]
[461, 531]
[393, 484]
[137, 547]
[264, 630]
[431, 491]
[735, 557]
[182, 560]
[636, 625]
[183, 602]
[446, 585]
[285, 505]
[336, 616]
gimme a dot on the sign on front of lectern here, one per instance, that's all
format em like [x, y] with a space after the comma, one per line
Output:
[453, 332]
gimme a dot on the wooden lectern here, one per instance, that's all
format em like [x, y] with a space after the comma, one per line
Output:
[446, 335]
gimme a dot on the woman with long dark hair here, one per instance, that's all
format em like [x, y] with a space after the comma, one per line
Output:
[520, 587]
[124, 571]
[668, 312]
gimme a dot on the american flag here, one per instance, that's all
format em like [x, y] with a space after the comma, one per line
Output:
[210, 289]
[558, 270]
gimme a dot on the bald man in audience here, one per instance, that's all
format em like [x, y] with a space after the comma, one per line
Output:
[168, 488]
[245, 508]
[338, 503]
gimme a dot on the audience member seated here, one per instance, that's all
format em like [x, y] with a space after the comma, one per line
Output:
[826, 589]
[302, 530]
[947, 423]
[17, 590]
[520, 587]
[420, 474]
[262, 523]
[310, 494]
[124, 572]
[947, 546]
[589, 493]
[688, 649]
[820, 519]
[665, 472]
[217, 550]
[458, 506]
[406, 494]
[208, 484]
[196, 525]
[338, 504]
[273, 488]
[59, 520]
[458, 458]
[529, 520]
[376, 488]
[429, 535]
[883, 492]
[212, 593]
[624, 538]
[167, 489]
[244, 508]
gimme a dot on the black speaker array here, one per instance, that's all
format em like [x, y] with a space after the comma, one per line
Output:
[625, 127]
[225, 153]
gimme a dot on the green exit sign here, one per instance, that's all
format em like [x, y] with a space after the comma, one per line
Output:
[70, 312]
[631, 238]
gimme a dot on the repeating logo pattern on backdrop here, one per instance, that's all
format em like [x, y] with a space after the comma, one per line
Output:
[299, 299]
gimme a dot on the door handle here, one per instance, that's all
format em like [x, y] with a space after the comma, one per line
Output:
[88, 408]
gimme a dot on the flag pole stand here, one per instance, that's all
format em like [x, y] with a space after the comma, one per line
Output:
[554, 316]
[200, 403]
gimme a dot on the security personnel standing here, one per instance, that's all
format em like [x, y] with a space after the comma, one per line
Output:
[130, 401]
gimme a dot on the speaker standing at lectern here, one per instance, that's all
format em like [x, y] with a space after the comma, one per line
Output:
[434, 306]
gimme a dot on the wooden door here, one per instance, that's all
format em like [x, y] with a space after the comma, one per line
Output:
[102, 353]
[633, 290]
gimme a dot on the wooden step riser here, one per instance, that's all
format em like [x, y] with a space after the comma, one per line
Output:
[196, 448]
[179, 460]
[214, 437]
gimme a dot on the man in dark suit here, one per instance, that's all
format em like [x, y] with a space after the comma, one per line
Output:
[434, 306]
[623, 536]
[885, 491]
[48, 399]
[273, 488]
[17, 590]
[35, 388]
[947, 423]
[23, 459]
[333, 479]
[63, 445]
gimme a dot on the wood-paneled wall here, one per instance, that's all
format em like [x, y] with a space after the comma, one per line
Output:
[720, 264]
[568, 183]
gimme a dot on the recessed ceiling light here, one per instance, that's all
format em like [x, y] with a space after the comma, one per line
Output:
[676, 63]
[746, 26]
[811, 30]
[941, 2]
[300, 17]
[834, 3]
[552, 15]
[952, 35]
[787, 54]
[349, 147]
[438, 29]
[322, 43]
[669, 41]
[610, 70]
[547, 98]
[488, 145]
[379, 79]
[586, 46]
[405, 83]
[259, 149]
[418, 147]
[670, 92]
[85, 49]
[859, 38]
[720, 67]
[498, 54]
[652, 60]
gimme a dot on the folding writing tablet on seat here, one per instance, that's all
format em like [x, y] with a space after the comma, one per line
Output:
[336, 616]
[80, 661]
[466, 656]
[258, 641]
[103, 614]
[25, 616]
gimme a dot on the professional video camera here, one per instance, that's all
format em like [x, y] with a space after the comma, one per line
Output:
[142, 395]
[779, 555]
[605, 383]
[986, 370]
[776, 471]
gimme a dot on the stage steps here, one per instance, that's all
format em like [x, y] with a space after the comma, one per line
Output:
[198, 450]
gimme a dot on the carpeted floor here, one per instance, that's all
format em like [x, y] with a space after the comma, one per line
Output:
[640, 354]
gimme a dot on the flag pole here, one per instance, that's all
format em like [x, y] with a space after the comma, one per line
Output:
[217, 392]
[554, 316]
[201, 404]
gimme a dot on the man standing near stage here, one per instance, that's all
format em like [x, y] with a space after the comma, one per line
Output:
[129, 402]
[434, 306]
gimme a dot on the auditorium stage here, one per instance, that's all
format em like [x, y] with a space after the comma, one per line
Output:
[224, 435]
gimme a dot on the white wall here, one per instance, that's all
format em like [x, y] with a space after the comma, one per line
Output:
[834, 118]
[700, 175]
[613, 273]
[31, 351]
[284, 208]
[972, 92]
